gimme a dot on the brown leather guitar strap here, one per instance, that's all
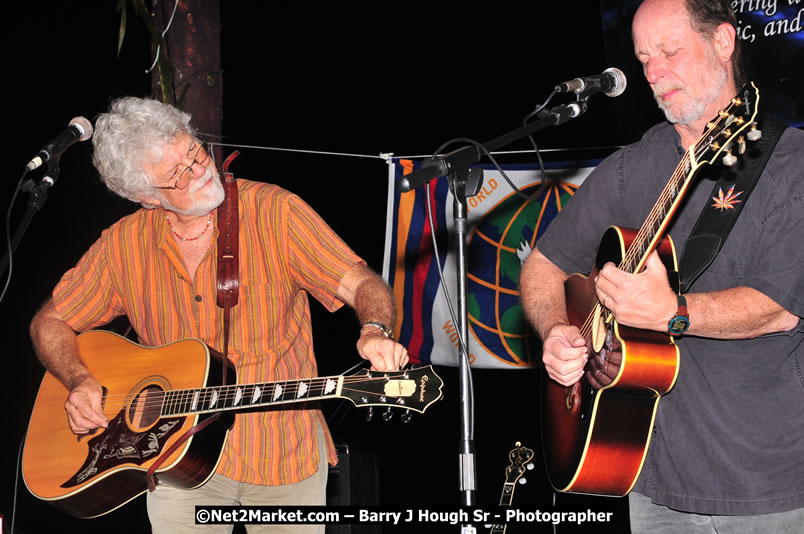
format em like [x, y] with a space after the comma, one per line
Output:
[228, 292]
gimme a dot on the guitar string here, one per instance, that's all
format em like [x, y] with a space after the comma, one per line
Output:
[675, 189]
[660, 208]
[230, 392]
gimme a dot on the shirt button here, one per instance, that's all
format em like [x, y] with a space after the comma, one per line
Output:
[199, 298]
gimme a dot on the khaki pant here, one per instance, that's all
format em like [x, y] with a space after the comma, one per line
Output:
[172, 510]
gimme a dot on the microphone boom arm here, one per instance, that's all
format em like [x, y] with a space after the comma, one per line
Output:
[463, 157]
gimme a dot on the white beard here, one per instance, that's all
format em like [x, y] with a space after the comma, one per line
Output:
[210, 200]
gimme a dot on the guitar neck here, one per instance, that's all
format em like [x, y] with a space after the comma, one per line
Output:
[239, 396]
[507, 494]
[505, 500]
[724, 133]
[659, 217]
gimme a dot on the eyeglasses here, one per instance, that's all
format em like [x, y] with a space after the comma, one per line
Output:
[186, 176]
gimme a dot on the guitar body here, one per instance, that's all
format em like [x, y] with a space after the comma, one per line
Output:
[596, 433]
[94, 474]
[152, 397]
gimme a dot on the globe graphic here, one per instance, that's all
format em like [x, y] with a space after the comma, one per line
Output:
[498, 245]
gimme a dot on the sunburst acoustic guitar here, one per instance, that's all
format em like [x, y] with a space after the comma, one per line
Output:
[596, 433]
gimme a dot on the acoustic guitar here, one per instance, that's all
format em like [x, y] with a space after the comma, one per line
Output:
[152, 395]
[596, 433]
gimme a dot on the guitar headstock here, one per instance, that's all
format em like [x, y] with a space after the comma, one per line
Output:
[729, 130]
[410, 389]
[520, 458]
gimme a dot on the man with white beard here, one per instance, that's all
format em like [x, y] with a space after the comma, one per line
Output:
[158, 267]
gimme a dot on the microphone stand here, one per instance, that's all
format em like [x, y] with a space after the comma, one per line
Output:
[37, 196]
[463, 183]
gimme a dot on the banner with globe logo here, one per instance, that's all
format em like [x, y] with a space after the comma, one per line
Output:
[503, 228]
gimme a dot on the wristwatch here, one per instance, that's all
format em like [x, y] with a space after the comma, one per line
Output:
[387, 332]
[680, 322]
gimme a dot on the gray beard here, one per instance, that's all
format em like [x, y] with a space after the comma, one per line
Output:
[695, 110]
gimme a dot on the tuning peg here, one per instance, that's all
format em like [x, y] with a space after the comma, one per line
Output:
[523, 480]
[370, 414]
[741, 145]
[405, 417]
[387, 414]
[530, 467]
[729, 159]
[754, 134]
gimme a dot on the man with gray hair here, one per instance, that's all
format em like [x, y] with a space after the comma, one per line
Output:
[157, 266]
[727, 440]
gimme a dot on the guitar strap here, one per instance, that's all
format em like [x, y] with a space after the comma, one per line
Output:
[729, 195]
[228, 291]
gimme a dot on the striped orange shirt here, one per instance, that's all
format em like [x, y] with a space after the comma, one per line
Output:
[286, 251]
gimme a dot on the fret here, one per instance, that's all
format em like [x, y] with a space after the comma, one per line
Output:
[166, 406]
[206, 396]
[507, 494]
[184, 403]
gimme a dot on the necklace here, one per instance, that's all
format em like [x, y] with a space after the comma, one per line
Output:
[209, 222]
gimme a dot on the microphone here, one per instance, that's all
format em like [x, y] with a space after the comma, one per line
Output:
[79, 129]
[611, 82]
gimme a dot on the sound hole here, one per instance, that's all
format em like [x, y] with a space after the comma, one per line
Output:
[146, 407]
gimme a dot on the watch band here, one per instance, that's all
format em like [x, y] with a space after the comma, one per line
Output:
[387, 332]
[680, 322]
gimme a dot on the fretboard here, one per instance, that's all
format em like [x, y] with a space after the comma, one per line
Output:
[659, 217]
[241, 396]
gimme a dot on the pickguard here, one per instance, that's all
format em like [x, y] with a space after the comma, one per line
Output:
[118, 444]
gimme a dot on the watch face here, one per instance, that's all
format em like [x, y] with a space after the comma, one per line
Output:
[679, 325]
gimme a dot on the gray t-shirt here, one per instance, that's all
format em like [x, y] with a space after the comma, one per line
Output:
[729, 437]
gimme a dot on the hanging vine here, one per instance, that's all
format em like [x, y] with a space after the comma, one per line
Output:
[162, 62]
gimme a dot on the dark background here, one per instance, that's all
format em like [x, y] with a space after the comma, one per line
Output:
[335, 79]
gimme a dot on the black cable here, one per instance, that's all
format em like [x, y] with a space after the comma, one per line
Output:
[8, 233]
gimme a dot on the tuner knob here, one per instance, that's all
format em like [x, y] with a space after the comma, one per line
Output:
[529, 467]
[729, 159]
[405, 417]
[370, 414]
[387, 414]
[523, 480]
[754, 134]
[741, 145]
